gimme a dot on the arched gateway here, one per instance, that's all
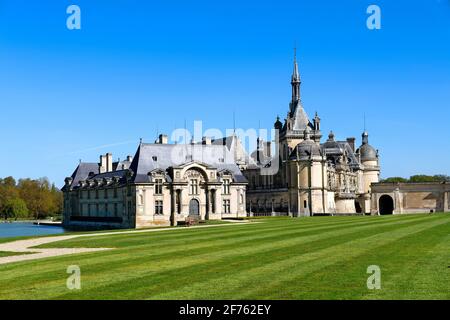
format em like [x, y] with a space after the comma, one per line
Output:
[386, 205]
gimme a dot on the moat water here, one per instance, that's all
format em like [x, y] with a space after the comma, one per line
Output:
[18, 229]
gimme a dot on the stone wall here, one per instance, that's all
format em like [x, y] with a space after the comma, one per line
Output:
[411, 197]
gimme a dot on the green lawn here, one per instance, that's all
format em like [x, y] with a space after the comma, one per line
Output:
[8, 254]
[284, 258]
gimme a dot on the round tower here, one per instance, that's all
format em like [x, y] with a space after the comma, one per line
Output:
[371, 170]
[308, 188]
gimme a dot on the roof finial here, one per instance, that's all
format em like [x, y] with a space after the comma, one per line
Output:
[295, 52]
[364, 122]
[140, 140]
[234, 122]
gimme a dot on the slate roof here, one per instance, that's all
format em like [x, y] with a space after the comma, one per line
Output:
[150, 157]
[121, 165]
[334, 149]
[367, 152]
[82, 172]
[306, 148]
[301, 118]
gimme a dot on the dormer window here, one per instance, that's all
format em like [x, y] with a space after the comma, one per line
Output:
[155, 158]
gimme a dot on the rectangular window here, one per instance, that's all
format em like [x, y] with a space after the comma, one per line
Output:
[158, 207]
[96, 193]
[226, 206]
[106, 194]
[158, 186]
[97, 207]
[115, 210]
[193, 186]
[226, 186]
[89, 194]
[115, 192]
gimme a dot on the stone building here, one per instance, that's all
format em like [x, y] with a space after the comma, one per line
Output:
[161, 185]
[313, 177]
[398, 198]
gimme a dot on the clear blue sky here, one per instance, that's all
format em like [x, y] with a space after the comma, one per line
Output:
[139, 66]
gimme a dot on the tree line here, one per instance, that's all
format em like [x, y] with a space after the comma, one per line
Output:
[419, 178]
[29, 199]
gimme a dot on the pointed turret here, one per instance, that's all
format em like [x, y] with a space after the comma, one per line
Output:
[295, 81]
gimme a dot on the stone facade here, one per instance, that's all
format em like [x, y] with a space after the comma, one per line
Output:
[398, 198]
[312, 177]
[162, 185]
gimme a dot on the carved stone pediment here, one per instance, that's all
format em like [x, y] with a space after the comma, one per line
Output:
[156, 173]
[193, 174]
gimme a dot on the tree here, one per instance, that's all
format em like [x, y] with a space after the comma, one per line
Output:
[8, 190]
[41, 198]
[14, 208]
[423, 178]
[395, 179]
[8, 181]
[442, 178]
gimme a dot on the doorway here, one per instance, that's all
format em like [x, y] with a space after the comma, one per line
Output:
[194, 207]
[386, 205]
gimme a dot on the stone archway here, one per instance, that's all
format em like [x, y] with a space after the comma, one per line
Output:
[386, 205]
[194, 208]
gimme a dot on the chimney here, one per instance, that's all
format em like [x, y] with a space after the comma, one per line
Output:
[109, 162]
[268, 149]
[163, 139]
[129, 158]
[351, 142]
[102, 167]
[206, 140]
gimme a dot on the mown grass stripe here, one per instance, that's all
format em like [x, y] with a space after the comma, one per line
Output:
[353, 250]
[220, 263]
[245, 253]
[280, 269]
[195, 242]
[136, 263]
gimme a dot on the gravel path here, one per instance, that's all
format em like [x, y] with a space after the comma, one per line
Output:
[31, 253]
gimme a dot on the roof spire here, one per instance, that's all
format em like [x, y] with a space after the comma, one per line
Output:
[295, 73]
[295, 83]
